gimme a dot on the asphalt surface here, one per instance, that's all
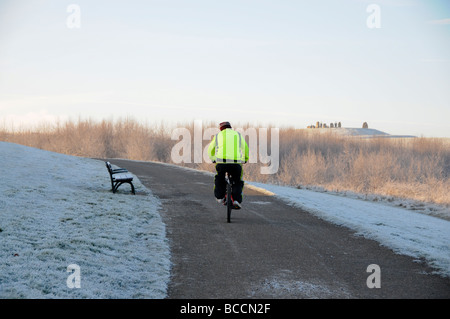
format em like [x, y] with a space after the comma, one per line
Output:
[270, 249]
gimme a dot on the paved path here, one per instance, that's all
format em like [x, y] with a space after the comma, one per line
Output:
[270, 249]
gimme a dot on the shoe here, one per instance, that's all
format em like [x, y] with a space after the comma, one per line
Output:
[237, 205]
[222, 201]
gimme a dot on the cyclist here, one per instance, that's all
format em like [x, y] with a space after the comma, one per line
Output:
[229, 151]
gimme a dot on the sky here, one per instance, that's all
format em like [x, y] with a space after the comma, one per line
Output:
[281, 63]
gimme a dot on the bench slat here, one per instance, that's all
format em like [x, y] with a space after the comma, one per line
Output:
[122, 177]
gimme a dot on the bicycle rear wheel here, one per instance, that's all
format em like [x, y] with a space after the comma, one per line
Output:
[229, 203]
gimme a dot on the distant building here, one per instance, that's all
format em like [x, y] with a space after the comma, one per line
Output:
[324, 125]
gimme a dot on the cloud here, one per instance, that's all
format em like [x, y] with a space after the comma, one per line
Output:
[441, 22]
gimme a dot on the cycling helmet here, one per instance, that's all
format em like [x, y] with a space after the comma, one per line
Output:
[224, 125]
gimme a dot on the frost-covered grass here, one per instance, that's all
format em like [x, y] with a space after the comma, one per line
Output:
[57, 210]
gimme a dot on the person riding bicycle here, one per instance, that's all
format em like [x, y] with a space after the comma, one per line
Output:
[229, 151]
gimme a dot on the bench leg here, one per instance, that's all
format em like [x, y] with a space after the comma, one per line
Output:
[117, 184]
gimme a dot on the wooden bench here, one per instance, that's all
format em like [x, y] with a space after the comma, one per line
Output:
[119, 176]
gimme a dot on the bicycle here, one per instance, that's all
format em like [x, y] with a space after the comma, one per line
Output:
[228, 197]
[229, 201]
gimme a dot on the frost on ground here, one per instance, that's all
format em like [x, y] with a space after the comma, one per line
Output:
[404, 231]
[283, 285]
[57, 210]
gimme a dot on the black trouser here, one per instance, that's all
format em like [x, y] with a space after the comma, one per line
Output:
[220, 185]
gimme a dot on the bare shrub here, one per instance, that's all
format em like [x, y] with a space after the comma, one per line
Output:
[415, 168]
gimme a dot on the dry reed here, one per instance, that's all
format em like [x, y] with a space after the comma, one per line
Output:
[415, 168]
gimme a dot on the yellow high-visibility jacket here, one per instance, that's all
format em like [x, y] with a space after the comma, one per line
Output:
[228, 146]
